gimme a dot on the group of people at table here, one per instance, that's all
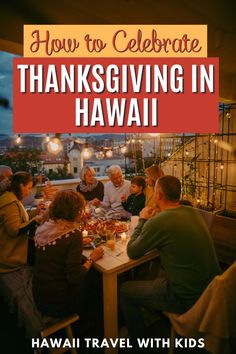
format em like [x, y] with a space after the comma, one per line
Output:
[53, 256]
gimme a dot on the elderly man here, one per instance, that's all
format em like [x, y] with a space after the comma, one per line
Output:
[5, 176]
[116, 188]
[186, 254]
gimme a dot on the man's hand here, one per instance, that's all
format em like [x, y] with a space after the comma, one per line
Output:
[147, 213]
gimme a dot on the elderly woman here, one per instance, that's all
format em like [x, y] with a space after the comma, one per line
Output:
[152, 174]
[60, 274]
[15, 224]
[89, 186]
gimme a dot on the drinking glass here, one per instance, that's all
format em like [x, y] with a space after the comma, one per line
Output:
[110, 239]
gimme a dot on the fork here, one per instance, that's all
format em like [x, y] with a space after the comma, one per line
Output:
[92, 244]
[118, 254]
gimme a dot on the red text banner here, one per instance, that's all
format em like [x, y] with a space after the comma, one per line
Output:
[133, 95]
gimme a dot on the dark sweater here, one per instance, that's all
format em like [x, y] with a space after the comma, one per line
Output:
[186, 249]
[58, 282]
[134, 204]
[97, 192]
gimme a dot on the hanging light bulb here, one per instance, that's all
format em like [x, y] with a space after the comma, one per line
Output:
[109, 153]
[54, 146]
[168, 154]
[18, 139]
[47, 138]
[87, 152]
[222, 166]
[228, 115]
[100, 155]
[186, 152]
[123, 149]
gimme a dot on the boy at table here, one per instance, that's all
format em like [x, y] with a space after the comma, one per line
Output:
[186, 253]
[136, 200]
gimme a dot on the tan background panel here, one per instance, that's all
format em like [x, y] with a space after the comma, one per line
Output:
[106, 34]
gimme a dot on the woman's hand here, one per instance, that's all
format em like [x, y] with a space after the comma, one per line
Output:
[38, 219]
[97, 254]
[96, 202]
[41, 207]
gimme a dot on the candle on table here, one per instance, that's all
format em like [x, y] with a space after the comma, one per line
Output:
[123, 237]
[84, 233]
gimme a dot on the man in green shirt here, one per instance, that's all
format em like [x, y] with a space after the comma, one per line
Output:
[186, 253]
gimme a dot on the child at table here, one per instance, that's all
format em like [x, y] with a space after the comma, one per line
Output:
[136, 200]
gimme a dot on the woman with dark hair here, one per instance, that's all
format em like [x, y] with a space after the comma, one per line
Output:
[60, 275]
[15, 224]
[89, 186]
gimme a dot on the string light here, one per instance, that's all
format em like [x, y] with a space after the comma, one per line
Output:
[109, 153]
[123, 149]
[54, 146]
[18, 139]
[100, 155]
[87, 151]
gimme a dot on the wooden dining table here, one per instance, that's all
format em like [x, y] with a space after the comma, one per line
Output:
[111, 265]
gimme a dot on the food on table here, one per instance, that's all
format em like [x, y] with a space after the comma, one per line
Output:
[87, 241]
[97, 240]
[111, 225]
[91, 227]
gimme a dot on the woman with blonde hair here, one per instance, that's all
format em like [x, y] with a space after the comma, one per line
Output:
[89, 186]
[152, 174]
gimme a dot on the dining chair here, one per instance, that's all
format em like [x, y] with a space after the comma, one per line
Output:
[208, 217]
[16, 290]
[51, 329]
[212, 317]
